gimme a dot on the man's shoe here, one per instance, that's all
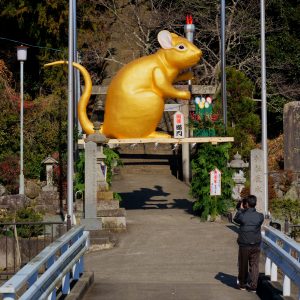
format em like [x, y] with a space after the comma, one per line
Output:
[250, 289]
[240, 286]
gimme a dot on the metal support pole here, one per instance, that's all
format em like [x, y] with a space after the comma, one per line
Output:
[74, 41]
[286, 226]
[78, 94]
[75, 70]
[264, 106]
[274, 272]
[21, 187]
[223, 64]
[70, 115]
[189, 30]
[286, 286]
[69, 222]
[76, 84]
[268, 266]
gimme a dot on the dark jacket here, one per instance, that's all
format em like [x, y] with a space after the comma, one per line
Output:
[250, 222]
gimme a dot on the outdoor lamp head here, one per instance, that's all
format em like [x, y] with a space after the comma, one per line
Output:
[22, 53]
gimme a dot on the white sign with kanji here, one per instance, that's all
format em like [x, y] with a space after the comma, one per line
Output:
[178, 125]
[215, 182]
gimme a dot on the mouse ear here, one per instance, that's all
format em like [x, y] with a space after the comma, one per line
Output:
[165, 39]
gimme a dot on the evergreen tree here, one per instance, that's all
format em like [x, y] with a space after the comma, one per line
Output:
[243, 121]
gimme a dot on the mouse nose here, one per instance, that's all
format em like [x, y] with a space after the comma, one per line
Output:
[199, 53]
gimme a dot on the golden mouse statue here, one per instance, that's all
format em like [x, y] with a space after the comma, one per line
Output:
[135, 98]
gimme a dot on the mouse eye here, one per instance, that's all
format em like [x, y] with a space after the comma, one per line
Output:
[181, 47]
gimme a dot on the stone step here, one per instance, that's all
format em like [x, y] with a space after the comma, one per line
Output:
[146, 164]
[146, 149]
[102, 237]
[120, 212]
[100, 241]
[149, 161]
[135, 169]
[107, 204]
[101, 234]
[114, 224]
[105, 195]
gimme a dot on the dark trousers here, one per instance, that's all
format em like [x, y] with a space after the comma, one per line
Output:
[249, 265]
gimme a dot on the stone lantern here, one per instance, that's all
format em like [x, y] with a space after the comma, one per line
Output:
[49, 162]
[238, 177]
[99, 139]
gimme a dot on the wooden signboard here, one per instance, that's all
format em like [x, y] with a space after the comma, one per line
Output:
[178, 125]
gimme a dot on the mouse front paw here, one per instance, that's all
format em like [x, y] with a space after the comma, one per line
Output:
[185, 95]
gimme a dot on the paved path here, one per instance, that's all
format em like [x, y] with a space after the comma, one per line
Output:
[167, 253]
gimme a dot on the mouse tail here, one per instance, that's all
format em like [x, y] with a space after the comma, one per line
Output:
[86, 124]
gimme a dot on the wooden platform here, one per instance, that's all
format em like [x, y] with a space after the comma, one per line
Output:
[198, 140]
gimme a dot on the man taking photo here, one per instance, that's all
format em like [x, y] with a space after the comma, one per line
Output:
[249, 240]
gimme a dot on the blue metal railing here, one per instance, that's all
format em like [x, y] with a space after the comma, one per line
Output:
[284, 253]
[52, 268]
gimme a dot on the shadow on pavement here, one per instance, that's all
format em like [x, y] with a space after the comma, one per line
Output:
[231, 281]
[227, 279]
[186, 205]
[156, 198]
[142, 198]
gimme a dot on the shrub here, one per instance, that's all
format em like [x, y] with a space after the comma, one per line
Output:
[112, 160]
[25, 214]
[207, 158]
[286, 208]
[79, 175]
[29, 214]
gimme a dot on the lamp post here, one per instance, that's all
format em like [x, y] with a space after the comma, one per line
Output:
[264, 106]
[22, 56]
[70, 172]
[223, 63]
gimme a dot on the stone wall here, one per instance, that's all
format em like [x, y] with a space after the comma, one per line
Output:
[45, 202]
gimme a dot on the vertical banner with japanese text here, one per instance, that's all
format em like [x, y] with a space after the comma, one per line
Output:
[215, 182]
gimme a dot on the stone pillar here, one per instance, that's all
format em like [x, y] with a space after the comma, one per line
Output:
[291, 129]
[94, 178]
[100, 209]
[90, 204]
[257, 178]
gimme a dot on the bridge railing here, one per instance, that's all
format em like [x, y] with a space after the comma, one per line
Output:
[52, 269]
[284, 253]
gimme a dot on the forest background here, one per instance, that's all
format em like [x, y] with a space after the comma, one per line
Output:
[110, 34]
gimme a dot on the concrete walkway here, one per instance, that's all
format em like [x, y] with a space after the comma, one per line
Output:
[167, 253]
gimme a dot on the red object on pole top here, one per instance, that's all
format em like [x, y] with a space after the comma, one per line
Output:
[189, 19]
